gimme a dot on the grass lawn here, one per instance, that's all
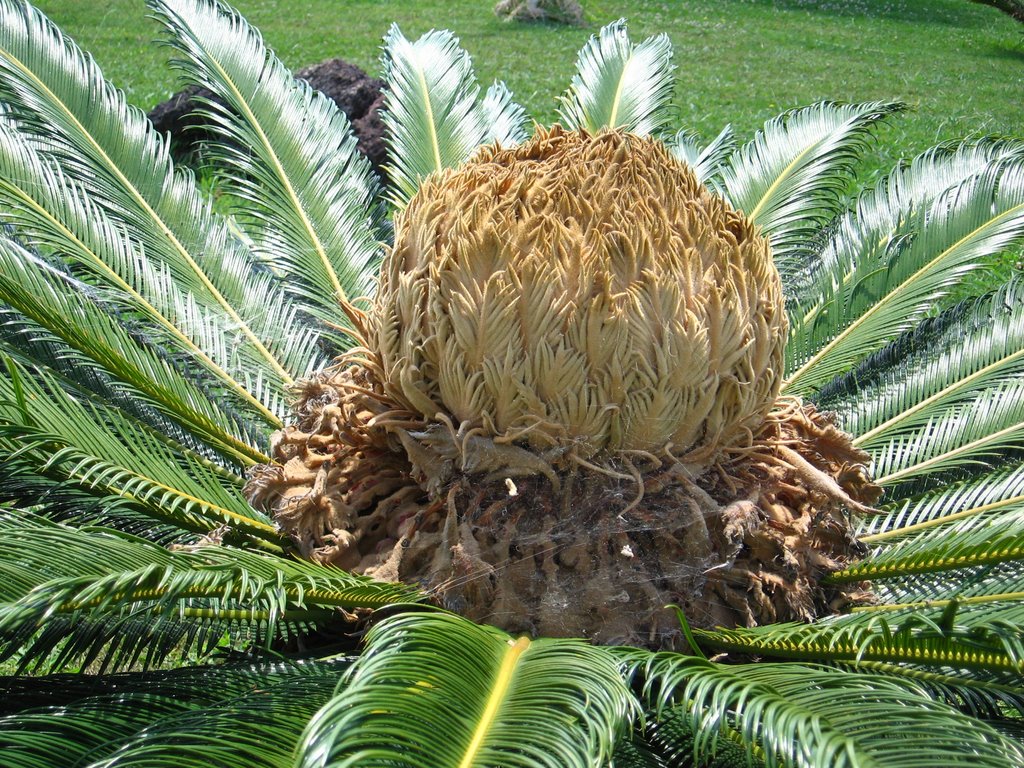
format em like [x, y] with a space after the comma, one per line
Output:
[960, 66]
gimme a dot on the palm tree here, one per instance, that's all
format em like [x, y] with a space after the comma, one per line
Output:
[153, 342]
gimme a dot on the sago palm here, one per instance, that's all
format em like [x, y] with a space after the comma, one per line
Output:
[724, 463]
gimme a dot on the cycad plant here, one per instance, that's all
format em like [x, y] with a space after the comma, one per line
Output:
[601, 368]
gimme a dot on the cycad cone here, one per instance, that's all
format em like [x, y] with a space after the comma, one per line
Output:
[566, 415]
[583, 293]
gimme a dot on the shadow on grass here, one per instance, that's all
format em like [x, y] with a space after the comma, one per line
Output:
[1005, 52]
[949, 13]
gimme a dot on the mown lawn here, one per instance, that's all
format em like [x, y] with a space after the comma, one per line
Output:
[960, 66]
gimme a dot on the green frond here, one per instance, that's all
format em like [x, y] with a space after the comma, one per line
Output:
[965, 543]
[811, 716]
[58, 737]
[994, 491]
[55, 214]
[211, 716]
[257, 730]
[102, 449]
[964, 435]
[430, 108]
[505, 120]
[620, 85]
[888, 264]
[64, 307]
[188, 684]
[978, 698]
[709, 161]
[59, 99]
[943, 361]
[22, 487]
[105, 583]
[858, 237]
[436, 690]
[790, 178]
[65, 500]
[306, 195]
[979, 641]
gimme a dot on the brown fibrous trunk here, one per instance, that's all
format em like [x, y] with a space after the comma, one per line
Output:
[557, 548]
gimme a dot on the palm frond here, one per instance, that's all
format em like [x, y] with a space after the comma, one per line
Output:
[287, 153]
[880, 211]
[896, 262]
[811, 716]
[978, 639]
[102, 449]
[984, 699]
[56, 214]
[214, 716]
[119, 596]
[59, 737]
[974, 541]
[185, 683]
[505, 120]
[59, 99]
[63, 306]
[32, 347]
[709, 161]
[790, 178]
[960, 437]
[430, 108]
[620, 85]
[459, 694]
[997, 490]
[943, 361]
[257, 730]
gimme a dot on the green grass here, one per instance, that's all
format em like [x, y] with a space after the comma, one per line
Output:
[960, 66]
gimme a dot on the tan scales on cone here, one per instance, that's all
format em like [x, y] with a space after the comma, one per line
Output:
[582, 292]
[567, 404]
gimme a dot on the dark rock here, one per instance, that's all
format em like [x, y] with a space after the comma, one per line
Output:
[357, 94]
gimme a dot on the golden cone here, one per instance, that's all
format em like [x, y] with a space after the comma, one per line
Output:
[584, 293]
[566, 415]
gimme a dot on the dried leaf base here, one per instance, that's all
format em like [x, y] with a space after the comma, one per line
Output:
[573, 549]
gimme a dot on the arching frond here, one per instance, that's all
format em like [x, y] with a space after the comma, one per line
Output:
[63, 306]
[504, 119]
[809, 716]
[56, 214]
[430, 108]
[100, 448]
[459, 694]
[214, 716]
[858, 237]
[308, 197]
[790, 178]
[995, 491]
[59, 98]
[974, 541]
[946, 360]
[886, 267]
[256, 730]
[709, 161]
[106, 583]
[188, 684]
[977, 638]
[620, 85]
[973, 433]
